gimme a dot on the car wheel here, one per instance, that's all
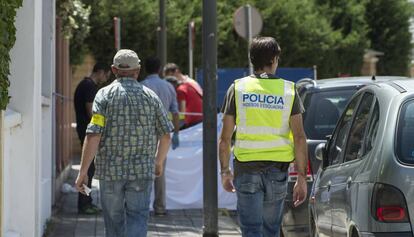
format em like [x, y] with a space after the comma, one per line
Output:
[355, 233]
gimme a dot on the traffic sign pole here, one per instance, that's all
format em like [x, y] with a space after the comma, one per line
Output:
[248, 23]
[249, 35]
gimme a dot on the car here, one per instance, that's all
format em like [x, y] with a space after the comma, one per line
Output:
[365, 183]
[324, 100]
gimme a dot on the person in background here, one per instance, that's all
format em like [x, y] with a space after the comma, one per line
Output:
[166, 92]
[265, 112]
[83, 98]
[130, 135]
[189, 96]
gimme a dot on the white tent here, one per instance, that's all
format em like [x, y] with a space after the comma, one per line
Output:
[184, 173]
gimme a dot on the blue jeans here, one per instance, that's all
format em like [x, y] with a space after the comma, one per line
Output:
[260, 199]
[128, 199]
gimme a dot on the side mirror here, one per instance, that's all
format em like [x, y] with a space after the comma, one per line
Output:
[321, 154]
[319, 151]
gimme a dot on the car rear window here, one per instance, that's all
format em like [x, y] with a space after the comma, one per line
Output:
[323, 109]
[405, 134]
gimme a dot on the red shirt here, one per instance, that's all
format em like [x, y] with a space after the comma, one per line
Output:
[193, 102]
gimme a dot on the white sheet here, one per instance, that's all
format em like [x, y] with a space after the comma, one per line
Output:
[184, 173]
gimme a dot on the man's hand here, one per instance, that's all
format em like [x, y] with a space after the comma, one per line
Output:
[227, 181]
[80, 180]
[300, 190]
[175, 140]
[224, 153]
[159, 169]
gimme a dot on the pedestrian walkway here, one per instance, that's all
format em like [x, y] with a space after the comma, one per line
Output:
[67, 222]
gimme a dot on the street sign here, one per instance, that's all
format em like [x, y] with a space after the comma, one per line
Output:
[241, 21]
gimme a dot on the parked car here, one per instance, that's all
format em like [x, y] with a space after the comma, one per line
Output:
[324, 100]
[365, 184]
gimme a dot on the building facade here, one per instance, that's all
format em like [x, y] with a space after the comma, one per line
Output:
[28, 138]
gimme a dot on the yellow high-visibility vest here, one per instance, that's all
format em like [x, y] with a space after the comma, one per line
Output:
[263, 109]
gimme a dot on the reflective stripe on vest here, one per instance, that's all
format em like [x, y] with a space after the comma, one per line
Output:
[263, 109]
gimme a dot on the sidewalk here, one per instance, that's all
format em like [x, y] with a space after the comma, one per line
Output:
[67, 222]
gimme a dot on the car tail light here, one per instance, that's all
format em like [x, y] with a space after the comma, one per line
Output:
[388, 204]
[293, 172]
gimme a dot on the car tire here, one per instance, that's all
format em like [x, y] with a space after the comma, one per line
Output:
[354, 233]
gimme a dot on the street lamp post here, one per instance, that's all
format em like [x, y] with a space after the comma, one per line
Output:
[210, 228]
[162, 34]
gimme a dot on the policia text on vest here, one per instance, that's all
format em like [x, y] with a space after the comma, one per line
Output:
[263, 101]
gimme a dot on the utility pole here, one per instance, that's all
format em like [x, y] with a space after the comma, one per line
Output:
[210, 228]
[117, 32]
[191, 36]
[162, 35]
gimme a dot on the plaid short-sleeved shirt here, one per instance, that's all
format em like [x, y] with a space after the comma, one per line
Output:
[130, 118]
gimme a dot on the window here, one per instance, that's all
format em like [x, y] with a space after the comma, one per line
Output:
[357, 131]
[372, 130]
[405, 134]
[322, 111]
[337, 143]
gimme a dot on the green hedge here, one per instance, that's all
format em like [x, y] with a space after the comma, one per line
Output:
[8, 10]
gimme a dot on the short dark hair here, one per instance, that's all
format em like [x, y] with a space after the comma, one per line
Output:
[262, 51]
[152, 65]
[101, 66]
[170, 67]
[172, 79]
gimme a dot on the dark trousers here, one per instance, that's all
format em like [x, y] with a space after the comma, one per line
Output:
[83, 200]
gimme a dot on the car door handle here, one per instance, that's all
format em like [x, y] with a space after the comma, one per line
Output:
[348, 182]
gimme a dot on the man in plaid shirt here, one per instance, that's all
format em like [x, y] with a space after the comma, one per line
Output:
[130, 135]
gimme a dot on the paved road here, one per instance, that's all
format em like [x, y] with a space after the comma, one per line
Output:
[66, 222]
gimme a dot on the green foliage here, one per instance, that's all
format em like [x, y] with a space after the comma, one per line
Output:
[138, 27]
[389, 33]
[349, 31]
[75, 26]
[304, 36]
[179, 14]
[8, 10]
[330, 34]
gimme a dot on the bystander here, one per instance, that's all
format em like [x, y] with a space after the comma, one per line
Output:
[130, 135]
[84, 94]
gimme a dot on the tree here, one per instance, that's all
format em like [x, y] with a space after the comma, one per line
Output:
[304, 35]
[138, 27]
[75, 26]
[330, 34]
[349, 28]
[389, 33]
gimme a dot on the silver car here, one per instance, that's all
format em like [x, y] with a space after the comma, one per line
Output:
[365, 184]
[324, 100]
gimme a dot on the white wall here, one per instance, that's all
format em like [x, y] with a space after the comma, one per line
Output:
[48, 85]
[27, 143]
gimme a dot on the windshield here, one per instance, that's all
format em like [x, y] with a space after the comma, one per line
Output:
[405, 134]
[322, 111]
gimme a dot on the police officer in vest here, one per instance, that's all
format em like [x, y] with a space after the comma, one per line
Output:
[265, 113]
